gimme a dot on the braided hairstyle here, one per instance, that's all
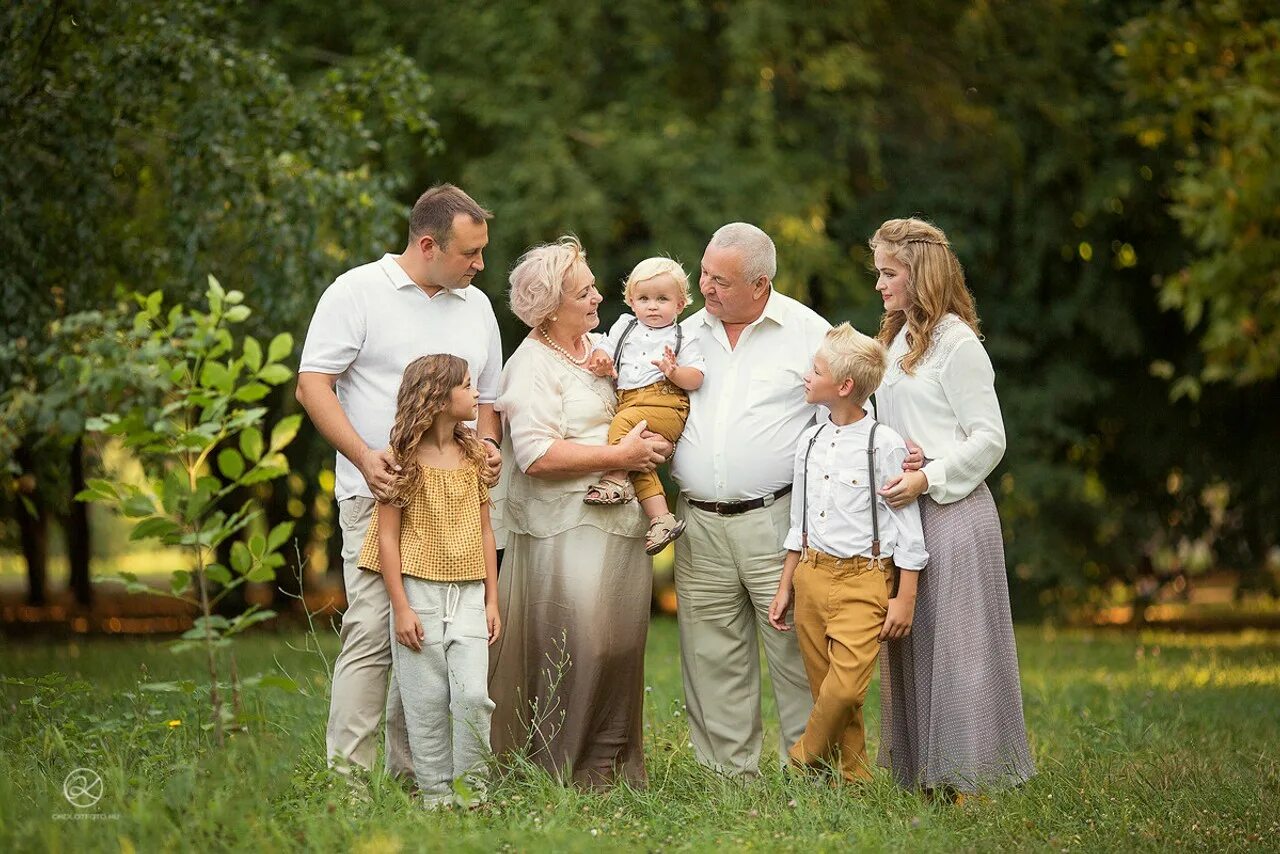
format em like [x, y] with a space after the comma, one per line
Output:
[425, 388]
[935, 285]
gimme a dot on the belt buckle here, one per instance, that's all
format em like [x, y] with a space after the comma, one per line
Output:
[768, 500]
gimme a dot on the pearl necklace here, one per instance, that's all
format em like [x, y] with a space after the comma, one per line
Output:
[586, 347]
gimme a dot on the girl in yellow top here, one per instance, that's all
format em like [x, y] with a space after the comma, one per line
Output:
[433, 543]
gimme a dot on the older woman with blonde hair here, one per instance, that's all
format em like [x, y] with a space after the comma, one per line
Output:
[567, 675]
[951, 702]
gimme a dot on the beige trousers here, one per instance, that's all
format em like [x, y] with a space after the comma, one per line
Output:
[359, 693]
[727, 571]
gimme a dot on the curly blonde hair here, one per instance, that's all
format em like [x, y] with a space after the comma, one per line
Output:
[652, 268]
[537, 280]
[425, 388]
[935, 285]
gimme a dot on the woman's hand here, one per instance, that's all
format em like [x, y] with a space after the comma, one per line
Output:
[915, 457]
[494, 621]
[897, 622]
[779, 607]
[409, 629]
[601, 365]
[639, 453]
[900, 490]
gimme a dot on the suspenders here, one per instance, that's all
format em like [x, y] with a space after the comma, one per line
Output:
[871, 486]
[617, 354]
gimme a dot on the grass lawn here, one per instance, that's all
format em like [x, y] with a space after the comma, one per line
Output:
[1143, 742]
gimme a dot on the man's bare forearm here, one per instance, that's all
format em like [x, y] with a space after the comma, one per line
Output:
[317, 396]
[488, 424]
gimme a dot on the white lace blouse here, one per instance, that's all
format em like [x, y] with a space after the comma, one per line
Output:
[543, 398]
[948, 407]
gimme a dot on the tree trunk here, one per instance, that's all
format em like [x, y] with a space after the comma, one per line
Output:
[76, 525]
[33, 528]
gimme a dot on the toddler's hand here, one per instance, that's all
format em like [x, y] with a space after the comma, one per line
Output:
[409, 629]
[778, 610]
[667, 363]
[600, 364]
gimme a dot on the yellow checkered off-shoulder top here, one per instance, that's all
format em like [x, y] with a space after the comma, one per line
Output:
[440, 535]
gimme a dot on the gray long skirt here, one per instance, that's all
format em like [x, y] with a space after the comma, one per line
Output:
[950, 700]
[567, 673]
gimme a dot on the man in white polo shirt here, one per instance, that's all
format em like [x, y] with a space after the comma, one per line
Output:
[734, 464]
[369, 324]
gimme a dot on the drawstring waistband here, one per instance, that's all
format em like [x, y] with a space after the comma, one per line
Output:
[452, 597]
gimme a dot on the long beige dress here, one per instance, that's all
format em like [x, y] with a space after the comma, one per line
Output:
[567, 674]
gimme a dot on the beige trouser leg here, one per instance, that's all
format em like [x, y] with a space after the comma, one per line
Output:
[359, 692]
[727, 570]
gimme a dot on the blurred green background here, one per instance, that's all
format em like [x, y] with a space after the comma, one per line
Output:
[1105, 170]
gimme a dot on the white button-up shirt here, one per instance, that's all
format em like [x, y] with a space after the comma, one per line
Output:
[839, 481]
[643, 346]
[739, 441]
[948, 406]
[370, 324]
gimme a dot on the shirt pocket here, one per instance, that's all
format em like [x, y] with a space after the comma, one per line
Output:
[851, 490]
[773, 384]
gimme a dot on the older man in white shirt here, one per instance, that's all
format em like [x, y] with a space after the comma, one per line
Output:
[369, 324]
[734, 464]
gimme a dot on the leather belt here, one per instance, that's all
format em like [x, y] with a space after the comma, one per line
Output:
[733, 508]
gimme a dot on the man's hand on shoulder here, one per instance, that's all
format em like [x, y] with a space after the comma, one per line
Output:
[379, 469]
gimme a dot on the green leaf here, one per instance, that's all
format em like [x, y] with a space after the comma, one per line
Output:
[261, 574]
[156, 526]
[137, 506]
[179, 581]
[257, 546]
[251, 444]
[275, 374]
[284, 431]
[230, 463]
[215, 289]
[252, 354]
[217, 573]
[252, 392]
[281, 347]
[241, 560]
[235, 297]
[274, 680]
[237, 314]
[279, 535]
[215, 375]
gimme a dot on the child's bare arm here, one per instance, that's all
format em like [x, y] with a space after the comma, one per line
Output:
[902, 608]
[408, 627]
[683, 376]
[782, 599]
[492, 619]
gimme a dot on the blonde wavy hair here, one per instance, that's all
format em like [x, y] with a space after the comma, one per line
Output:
[935, 285]
[425, 388]
[537, 280]
[652, 268]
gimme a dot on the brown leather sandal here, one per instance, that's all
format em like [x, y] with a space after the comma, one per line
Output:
[663, 531]
[609, 492]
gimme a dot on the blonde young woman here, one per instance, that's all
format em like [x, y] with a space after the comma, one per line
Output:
[568, 673]
[951, 703]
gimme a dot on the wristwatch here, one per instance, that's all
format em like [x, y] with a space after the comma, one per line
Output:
[492, 441]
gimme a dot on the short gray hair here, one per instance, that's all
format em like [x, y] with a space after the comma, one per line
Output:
[537, 281]
[759, 256]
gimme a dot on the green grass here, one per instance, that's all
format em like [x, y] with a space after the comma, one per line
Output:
[1151, 742]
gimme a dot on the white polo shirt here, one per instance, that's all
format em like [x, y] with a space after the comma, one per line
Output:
[740, 439]
[370, 324]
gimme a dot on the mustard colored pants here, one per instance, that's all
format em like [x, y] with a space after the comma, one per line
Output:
[666, 408]
[840, 606]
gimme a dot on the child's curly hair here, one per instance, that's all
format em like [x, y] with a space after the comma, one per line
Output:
[424, 393]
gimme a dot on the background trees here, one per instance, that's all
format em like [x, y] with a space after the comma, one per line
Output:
[1105, 170]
